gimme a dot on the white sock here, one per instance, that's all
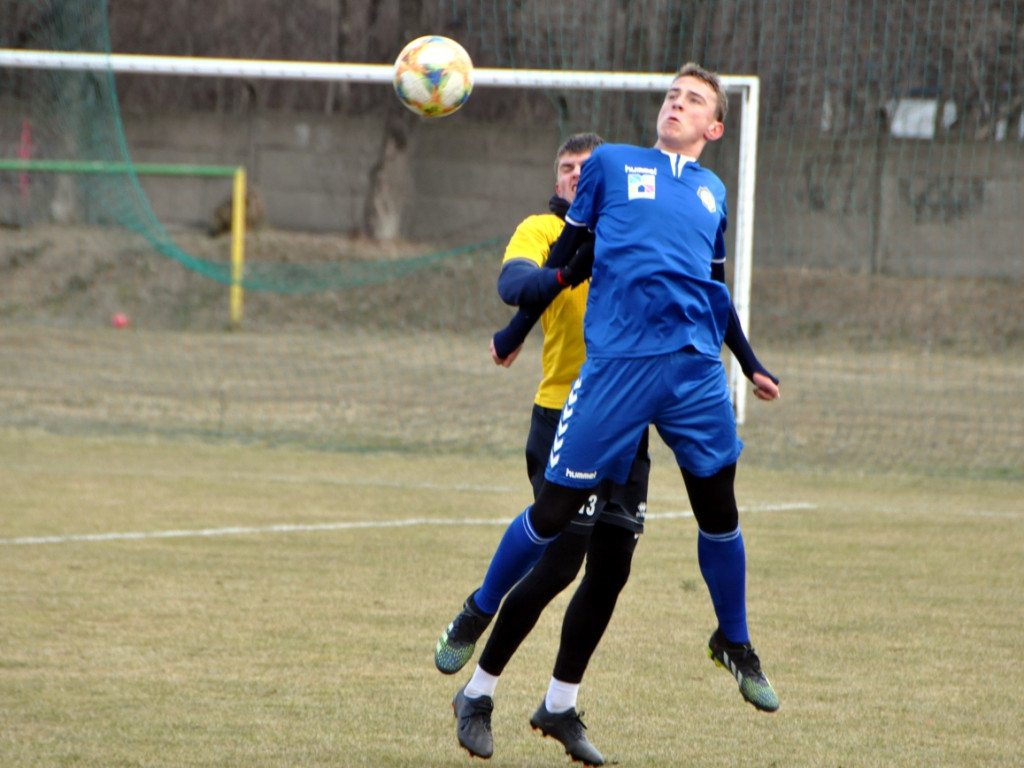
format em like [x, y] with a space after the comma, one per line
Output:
[561, 696]
[481, 684]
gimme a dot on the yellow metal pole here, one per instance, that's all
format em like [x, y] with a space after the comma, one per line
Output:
[237, 245]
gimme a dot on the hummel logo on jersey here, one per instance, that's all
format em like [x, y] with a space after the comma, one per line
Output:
[640, 182]
[573, 474]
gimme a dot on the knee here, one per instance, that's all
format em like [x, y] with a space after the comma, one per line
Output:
[608, 574]
[718, 522]
[560, 572]
[554, 508]
[556, 569]
[610, 557]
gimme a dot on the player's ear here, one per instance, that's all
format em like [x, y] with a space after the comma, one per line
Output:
[714, 131]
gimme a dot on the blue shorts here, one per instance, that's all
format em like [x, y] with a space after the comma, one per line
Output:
[620, 504]
[685, 395]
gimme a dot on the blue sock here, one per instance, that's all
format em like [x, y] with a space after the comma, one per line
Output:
[723, 563]
[518, 552]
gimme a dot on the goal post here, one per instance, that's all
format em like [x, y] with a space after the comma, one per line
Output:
[238, 192]
[746, 87]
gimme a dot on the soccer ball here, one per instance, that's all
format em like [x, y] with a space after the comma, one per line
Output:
[433, 76]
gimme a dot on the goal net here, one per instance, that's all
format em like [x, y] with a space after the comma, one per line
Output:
[872, 182]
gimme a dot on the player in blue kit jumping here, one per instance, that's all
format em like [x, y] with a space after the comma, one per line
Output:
[657, 315]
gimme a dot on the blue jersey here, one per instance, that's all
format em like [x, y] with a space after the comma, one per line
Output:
[660, 222]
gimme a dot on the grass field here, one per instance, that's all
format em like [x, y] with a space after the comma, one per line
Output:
[877, 411]
[188, 603]
[879, 373]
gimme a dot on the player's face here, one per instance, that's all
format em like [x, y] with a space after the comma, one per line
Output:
[687, 116]
[568, 175]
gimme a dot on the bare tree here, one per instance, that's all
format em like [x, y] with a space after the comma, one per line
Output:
[985, 50]
[389, 176]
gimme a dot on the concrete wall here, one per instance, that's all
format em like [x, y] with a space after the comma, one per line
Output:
[469, 182]
[908, 207]
[913, 208]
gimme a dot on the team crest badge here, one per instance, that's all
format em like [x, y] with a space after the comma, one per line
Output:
[707, 198]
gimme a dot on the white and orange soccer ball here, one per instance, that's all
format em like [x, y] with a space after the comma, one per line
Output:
[433, 76]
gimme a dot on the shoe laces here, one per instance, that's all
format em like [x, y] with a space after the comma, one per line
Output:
[478, 708]
[576, 724]
[480, 715]
[748, 661]
[467, 627]
[743, 656]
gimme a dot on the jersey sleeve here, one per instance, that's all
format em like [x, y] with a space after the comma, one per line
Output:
[531, 240]
[719, 255]
[589, 192]
[522, 281]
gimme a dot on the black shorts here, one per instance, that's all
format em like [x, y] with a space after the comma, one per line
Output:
[624, 505]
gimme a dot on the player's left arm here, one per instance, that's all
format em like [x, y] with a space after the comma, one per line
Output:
[766, 386]
[566, 252]
[571, 261]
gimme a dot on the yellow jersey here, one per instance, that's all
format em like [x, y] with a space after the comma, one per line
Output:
[562, 322]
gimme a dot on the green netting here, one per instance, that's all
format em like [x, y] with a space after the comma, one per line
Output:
[310, 278]
[75, 117]
[887, 270]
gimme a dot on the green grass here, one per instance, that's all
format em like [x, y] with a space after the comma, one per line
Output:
[886, 610]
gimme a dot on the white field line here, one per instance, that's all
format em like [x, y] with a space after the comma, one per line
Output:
[304, 527]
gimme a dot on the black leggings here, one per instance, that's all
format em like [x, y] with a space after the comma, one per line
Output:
[609, 553]
[712, 499]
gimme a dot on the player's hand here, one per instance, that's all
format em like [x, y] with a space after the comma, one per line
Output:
[765, 388]
[505, 362]
[580, 266]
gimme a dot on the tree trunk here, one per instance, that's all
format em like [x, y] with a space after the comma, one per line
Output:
[389, 176]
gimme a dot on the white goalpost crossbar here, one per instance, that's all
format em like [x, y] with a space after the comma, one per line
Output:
[748, 88]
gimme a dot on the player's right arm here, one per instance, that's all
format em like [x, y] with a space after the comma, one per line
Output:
[539, 241]
[523, 281]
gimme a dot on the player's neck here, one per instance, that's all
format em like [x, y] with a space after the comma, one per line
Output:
[689, 150]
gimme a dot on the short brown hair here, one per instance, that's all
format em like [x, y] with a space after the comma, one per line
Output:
[692, 69]
[575, 144]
